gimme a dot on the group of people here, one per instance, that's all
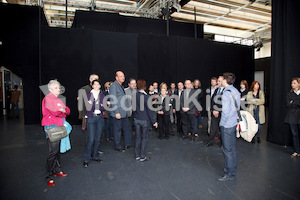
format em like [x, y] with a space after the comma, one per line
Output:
[116, 110]
[252, 100]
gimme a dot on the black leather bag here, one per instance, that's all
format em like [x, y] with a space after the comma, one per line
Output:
[57, 133]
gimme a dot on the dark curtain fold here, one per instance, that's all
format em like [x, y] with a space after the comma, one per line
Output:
[114, 22]
[284, 66]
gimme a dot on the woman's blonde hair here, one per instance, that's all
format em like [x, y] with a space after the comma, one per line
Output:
[163, 85]
[106, 85]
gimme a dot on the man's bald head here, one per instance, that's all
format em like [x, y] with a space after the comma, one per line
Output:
[120, 77]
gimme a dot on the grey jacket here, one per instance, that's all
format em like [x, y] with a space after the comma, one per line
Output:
[117, 90]
[183, 99]
[132, 94]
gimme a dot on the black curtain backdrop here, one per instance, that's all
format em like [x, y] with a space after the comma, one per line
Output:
[284, 66]
[173, 59]
[112, 52]
[71, 55]
[113, 22]
[19, 51]
[67, 57]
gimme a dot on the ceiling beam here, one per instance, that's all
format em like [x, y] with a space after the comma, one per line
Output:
[233, 5]
[214, 14]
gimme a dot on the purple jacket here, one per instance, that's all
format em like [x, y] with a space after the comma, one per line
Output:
[99, 102]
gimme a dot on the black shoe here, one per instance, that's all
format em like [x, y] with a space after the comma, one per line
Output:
[253, 141]
[85, 164]
[184, 137]
[258, 140]
[120, 150]
[97, 160]
[208, 144]
[144, 159]
[126, 148]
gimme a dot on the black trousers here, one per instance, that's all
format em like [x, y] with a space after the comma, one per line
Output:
[214, 128]
[188, 122]
[131, 122]
[179, 122]
[163, 125]
[53, 160]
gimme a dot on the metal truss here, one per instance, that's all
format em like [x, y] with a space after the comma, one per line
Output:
[59, 23]
[260, 35]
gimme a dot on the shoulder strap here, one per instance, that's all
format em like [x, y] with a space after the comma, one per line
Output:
[236, 106]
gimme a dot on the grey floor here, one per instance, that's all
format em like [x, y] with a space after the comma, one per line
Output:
[178, 170]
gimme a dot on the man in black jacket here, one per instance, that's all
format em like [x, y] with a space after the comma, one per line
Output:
[188, 102]
[178, 93]
[163, 115]
[216, 107]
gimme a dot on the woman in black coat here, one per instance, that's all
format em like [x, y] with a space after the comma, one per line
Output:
[293, 114]
[163, 115]
[244, 92]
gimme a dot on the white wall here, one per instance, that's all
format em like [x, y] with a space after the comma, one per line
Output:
[260, 77]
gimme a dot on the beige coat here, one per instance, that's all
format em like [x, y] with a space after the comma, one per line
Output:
[251, 102]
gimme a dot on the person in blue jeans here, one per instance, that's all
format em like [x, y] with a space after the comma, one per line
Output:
[143, 116]
[293, 114]
[95, 123]
[228, 125]
[198, 122]
[256, 101]
[14, 101]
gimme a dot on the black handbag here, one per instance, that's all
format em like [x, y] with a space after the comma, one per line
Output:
[57, 133]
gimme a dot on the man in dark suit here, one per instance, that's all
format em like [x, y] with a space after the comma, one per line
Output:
[172, 91]
[118, 114]
[216, 107]
[211, 89]
[178, 93]
[188, 103]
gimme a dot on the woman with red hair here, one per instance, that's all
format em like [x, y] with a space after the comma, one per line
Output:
[143, 118]
[256, 101]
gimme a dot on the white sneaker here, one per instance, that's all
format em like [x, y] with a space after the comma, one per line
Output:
[137, 158]
[295, 154]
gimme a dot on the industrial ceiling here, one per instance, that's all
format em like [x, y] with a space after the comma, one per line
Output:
[247, 19]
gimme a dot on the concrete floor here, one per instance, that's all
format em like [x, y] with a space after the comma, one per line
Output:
[178, 169]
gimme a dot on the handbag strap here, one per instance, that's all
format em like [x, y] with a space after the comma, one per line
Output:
[236, 106]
